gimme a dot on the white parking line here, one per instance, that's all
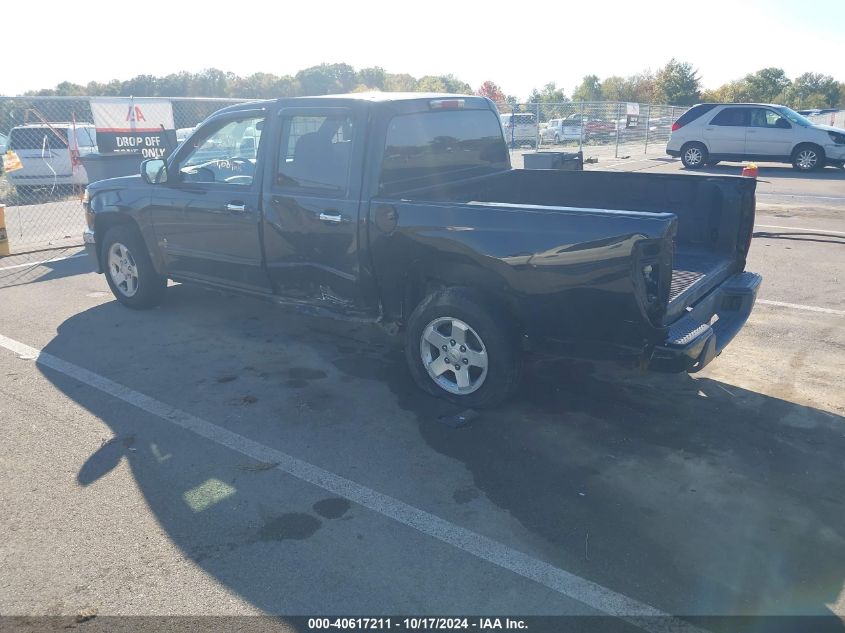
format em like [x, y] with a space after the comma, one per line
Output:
[46, 261]
[565, 583]
[800, 196]
[799, 306]
[799, 228]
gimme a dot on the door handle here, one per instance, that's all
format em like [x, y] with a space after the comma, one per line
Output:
[336, 218]
[235, 208]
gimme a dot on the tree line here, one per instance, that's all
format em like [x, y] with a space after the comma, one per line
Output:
[676, 83]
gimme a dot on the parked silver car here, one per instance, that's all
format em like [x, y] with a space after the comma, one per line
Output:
[711, 132]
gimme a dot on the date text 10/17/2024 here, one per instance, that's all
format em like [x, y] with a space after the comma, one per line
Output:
[416, 624]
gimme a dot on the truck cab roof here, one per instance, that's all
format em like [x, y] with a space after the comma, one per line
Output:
[470, 101]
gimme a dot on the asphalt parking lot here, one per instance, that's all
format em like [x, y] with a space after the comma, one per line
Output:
[219, 455]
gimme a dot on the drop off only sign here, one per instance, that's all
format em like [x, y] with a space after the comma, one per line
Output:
[134, 126]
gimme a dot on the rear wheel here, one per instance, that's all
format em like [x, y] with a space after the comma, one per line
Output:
[460, 349]
[129, 270]
[808, 157]
[693, 155]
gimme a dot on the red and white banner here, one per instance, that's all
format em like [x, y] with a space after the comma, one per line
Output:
[134, 126]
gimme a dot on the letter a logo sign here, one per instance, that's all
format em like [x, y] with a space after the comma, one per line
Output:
[135, 114]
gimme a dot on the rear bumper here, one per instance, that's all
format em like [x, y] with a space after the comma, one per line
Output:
[699, 336]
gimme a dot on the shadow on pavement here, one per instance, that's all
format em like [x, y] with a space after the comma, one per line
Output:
[17, 270]
[693, 495]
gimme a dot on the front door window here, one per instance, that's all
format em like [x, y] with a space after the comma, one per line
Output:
[227, 154]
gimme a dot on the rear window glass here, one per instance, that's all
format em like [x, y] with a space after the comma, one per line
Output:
[694, 112]
[426, 148]
[38, 138]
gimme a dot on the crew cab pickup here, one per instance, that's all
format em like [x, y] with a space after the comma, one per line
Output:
[403, 209]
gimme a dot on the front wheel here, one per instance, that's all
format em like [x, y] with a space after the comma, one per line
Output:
[459, 349]
[129, 270]
[808, 157]
[693, 155]
[557, 139]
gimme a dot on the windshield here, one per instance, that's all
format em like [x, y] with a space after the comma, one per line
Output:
[793, 116]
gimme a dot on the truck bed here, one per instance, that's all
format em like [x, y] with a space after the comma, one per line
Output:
[715, 214]
[694, 273]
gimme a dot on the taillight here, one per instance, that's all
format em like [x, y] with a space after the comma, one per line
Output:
[676, 126]
[446, 104]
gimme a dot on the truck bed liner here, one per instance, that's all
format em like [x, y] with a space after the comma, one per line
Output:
[695, 272]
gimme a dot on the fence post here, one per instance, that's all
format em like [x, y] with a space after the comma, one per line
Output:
[537, 128]
[4, 239]
[647, 126]
[618, 131]
[581, 119]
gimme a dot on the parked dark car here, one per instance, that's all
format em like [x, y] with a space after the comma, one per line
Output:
[404, 209]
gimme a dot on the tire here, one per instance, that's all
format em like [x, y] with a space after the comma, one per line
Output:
[485, 348]
[694, 155]
[557, 139]
[808, 157]
[129, 270]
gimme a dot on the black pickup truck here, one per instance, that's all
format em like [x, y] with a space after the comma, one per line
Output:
[404, 209]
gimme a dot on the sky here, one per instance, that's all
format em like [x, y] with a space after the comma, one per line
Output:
[519, 45]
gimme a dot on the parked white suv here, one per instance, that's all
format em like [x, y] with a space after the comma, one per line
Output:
[711, 132]
[520, 128]
[45, 152]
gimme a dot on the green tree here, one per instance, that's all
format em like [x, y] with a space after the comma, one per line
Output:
[643, 87]
[402, 82]
[814, 90]
[765, 85]
[677, 83]
[432, 83]
[616, 89]
[327, 79]
[551, 100]
[373, 78]
[588, 90]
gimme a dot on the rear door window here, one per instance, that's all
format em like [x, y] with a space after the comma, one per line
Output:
[732, 117]
[315, 151]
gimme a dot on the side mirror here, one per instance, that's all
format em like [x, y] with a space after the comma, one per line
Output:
[783, 124]
[154, 171]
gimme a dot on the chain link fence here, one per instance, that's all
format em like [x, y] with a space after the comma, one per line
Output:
[602, 129]
[56, 142]
[836, 119]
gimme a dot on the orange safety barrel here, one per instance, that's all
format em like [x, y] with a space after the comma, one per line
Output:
[750, 170]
